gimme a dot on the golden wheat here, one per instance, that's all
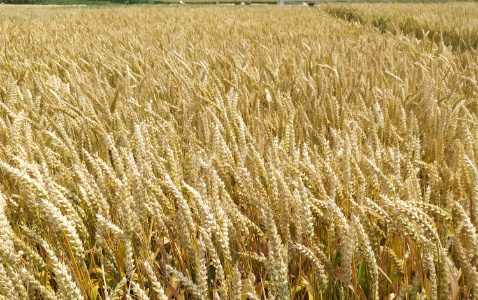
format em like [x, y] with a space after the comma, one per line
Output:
[236, 153]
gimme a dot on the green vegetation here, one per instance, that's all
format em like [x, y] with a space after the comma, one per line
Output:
[348, 13]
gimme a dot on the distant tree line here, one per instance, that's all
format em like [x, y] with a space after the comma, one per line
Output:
[73, 1]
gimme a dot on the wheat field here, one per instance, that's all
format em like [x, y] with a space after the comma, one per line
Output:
[234, 153]
[454, 24]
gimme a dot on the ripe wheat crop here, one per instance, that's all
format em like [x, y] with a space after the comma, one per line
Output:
[454, 24]
[233, 153]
